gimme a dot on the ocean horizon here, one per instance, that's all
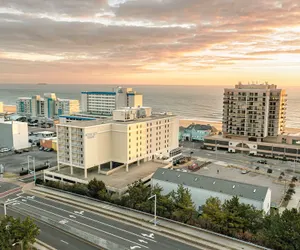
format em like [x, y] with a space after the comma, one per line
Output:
[192, 102]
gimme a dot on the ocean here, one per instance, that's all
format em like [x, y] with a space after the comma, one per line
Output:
[188, 102]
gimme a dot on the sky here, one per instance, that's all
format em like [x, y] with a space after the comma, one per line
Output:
[176, 42]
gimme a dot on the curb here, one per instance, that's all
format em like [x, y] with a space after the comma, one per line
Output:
[176, 234]
[40, 245]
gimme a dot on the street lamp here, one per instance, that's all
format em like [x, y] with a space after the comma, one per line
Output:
[154, 196]
[7, 203]
[33, 164]
[18, 243]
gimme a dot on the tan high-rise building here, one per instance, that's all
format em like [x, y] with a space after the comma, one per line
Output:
[254, 111]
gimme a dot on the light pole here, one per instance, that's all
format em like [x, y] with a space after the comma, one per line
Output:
[33, 164]
[7, 203]
[19, 242]
[216, 151]
[155, 221]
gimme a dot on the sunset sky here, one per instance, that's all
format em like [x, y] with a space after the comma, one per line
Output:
[192, 42]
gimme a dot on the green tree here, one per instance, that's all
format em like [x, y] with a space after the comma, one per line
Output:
[14, 230]
[282, 232]
[212, 211]
[184, 206]
[94, 186]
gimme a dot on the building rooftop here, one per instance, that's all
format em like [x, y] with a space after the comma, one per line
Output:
[45, 132]
[84, 124]
[228, 187]
[202, 127]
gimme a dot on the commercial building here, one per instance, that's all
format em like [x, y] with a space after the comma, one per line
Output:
[14, 135]
[133, 135]
[196, 132]
[48, 106]
[1, 107]
[203, 187]
[103, 103]
[254, 111]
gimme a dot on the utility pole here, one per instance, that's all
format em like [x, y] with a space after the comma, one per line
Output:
[155, 217]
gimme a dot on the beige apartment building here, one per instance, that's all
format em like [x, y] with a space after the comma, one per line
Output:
[133, 135]
[254, 111]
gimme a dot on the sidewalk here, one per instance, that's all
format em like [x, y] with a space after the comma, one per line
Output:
[197, 236]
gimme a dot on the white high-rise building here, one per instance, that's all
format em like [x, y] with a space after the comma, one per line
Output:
[133, 135]
[103, 103]
[48, 106]
[254, 111]
[14, 135]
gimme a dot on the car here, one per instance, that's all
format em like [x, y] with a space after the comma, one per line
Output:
[26, 150]
[3, 150]
[262, 161]
[41, 148]
[18, 152]
[245, 171]
[48, 149]
[45, 149]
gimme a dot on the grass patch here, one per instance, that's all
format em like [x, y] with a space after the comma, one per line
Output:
[9, 175]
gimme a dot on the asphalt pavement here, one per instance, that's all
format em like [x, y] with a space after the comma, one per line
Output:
[4, 186]
[121, 234]
[243, 160]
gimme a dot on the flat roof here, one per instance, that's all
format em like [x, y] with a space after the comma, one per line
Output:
[249, 191]
[77, 117]
[84, 124]
[98, 93]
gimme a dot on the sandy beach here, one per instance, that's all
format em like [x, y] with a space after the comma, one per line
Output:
[218, 125]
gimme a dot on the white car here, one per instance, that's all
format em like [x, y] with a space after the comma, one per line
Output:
[3, 150]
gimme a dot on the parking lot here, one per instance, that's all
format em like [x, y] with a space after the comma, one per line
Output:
[39, 129]
[253, 178]
[15, 162]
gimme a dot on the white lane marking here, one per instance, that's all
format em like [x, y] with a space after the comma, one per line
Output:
[64, 221]
[24, 200]
[16, 203]
[149, 235]
[97, 229]
[19, 194]
[134, 247]
[72, 216]
[143, 241]
[77, 212]
[84, 217]
[30, 197]
[64, 242]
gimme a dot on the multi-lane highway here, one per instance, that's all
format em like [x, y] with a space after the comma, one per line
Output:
[55, 238]
[113, 234]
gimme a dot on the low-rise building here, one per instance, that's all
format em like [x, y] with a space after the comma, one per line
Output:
[286, 146]
[14, 135]
[133, 135]
[196, 132]
[1, 107]
[203, 187]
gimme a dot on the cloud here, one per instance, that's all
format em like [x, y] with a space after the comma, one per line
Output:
[139, 36]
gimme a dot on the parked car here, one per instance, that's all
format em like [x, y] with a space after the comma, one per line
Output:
[45, 149]
[26, 150]
[262, 161]
[18, 152]
[41, 148]
[245, 171]
[3, 150]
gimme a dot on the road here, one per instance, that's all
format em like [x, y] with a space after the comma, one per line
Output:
[243, 160]
[124, 235]
[5, 186]
[52, 236]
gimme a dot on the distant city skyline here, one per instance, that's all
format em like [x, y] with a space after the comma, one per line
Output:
[159, 42]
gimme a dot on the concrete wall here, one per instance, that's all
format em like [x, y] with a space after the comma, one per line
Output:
[6, 135]
[20, 135]
[199, 196]
[84, 102]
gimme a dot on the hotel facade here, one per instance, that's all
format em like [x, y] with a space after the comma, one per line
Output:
[104, 103]
[254, 118]
[133, 135]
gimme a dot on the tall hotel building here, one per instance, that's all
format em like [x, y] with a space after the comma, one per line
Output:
[132, 135]
[254, 111]
[103, 103]
[48, 106]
